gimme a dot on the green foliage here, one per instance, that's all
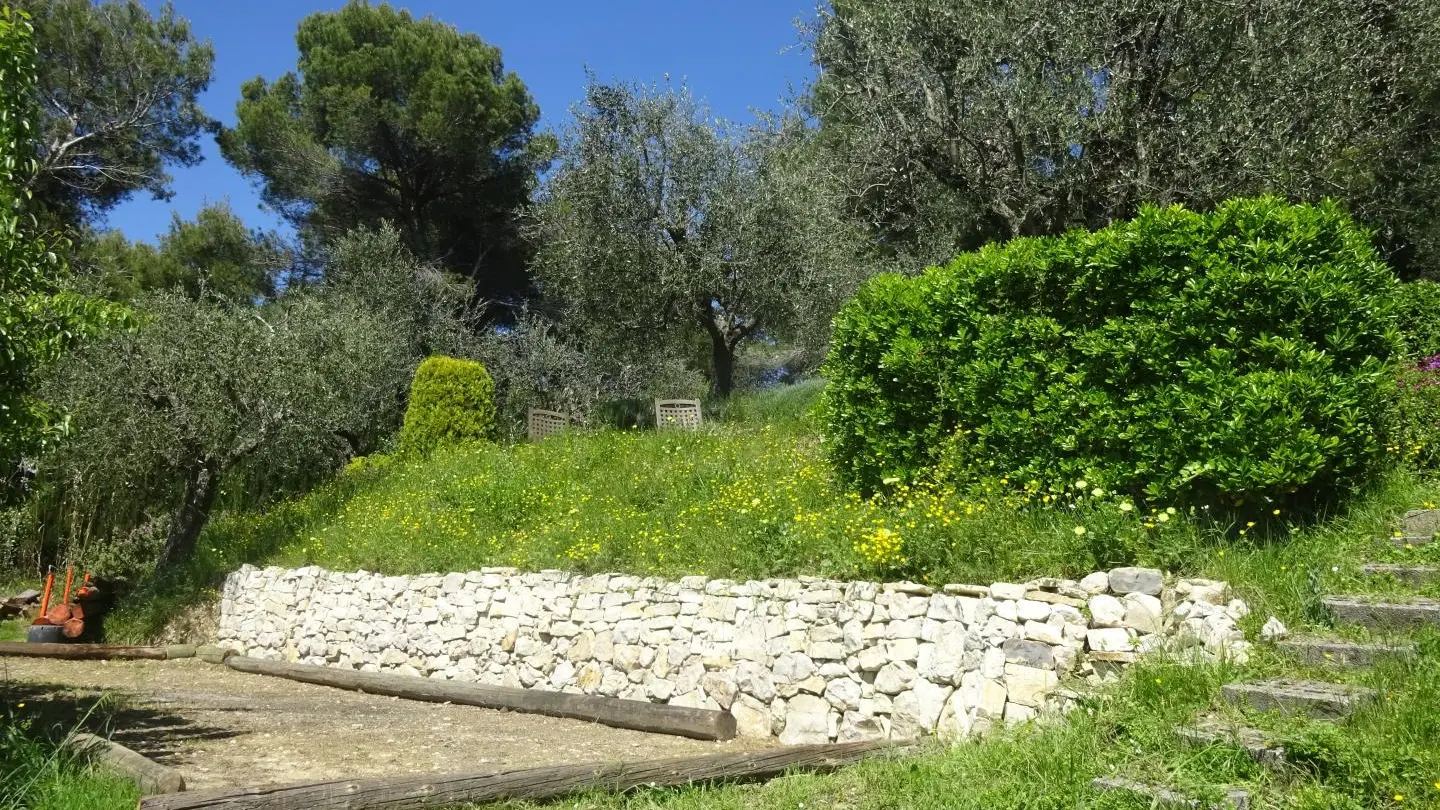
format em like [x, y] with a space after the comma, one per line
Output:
[38, 773]
[451, 402]
[39, 320]
[410, 121]
[960, 122]
[119, 87]
[215, 254]
[1415, 427]
[747, 500]
[1239, 357]
[206, 395]
[217, 404]
[1419, 318]
[663, 229]
[749, 497]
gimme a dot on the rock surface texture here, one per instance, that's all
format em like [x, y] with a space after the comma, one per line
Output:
[805, 660]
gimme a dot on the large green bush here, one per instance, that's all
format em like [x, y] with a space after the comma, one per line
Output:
[1225, 358]
[451, 401]
[1420, 318]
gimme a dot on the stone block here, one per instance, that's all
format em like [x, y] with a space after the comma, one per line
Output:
[1043, 632]
[855, 726]
[894, 678]
[843, 694]
[807, 721]
[1143, 613]
[1137, 580]
[1029, 653]
[1111, 639]
[1106, 611]
[752, 717]
[1028, 686]
[1007, 591]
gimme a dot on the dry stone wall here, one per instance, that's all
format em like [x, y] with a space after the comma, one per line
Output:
[807, 660]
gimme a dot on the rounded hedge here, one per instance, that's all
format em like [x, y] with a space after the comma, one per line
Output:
[1419, 314]
[451, 401]
[1241, 356]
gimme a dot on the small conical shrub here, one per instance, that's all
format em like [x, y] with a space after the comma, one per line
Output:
[451, 402]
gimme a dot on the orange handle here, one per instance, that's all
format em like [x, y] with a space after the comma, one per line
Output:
[69, 578]
[49, 583]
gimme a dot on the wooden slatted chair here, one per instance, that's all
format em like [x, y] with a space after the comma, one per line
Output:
[544, 423]
[678, 414]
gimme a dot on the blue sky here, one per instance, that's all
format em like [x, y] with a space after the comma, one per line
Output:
[736, 54]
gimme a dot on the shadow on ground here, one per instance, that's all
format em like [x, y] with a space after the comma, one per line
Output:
[56, 709]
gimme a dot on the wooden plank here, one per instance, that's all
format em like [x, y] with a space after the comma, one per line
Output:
[430, 791]
[1380, 615]
[683, 721]
[27, 649]
[149, 775]
[1318, 699]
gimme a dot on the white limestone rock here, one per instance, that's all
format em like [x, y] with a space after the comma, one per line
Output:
[1143, 612]
[1028, 686]
[894, 678]
[807, 721]
[1007, 591]
[1274, 630]
[1131, 579]
[1106, 611]
[1110, 639]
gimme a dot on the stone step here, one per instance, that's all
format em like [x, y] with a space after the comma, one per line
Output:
[1412, 575]
[1157, 796]
[1318, 699]
[1344, 654]
[1411, 541]
[1421, 522]
[1378, 614]
[1255, 742]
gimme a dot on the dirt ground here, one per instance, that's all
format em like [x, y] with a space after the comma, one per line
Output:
[223, 728]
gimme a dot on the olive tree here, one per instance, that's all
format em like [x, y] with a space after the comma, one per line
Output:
[660, 221]
[209, 394]
[959, 121]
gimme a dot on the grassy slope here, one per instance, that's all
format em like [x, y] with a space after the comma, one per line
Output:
[752, 497]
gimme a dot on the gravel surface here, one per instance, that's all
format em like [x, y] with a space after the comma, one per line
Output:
[226, 729]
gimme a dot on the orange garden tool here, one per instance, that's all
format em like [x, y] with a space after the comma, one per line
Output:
[45, 600]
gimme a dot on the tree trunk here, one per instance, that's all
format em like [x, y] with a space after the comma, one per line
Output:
[722, 365]
[202, 485]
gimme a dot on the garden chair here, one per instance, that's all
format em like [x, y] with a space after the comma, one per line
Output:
[681, 414]
[544, 423]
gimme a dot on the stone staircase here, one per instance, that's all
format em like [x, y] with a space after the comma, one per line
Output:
[1319, 701]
